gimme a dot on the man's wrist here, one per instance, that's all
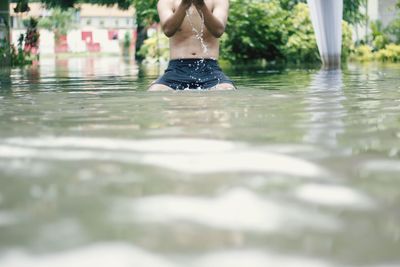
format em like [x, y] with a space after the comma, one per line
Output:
[185, 5]
[201, 7]
[199, 3]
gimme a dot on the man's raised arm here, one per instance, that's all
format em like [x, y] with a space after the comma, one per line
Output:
[216, 19]
[172, 19]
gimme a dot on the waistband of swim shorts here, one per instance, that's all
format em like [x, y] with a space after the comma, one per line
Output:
[187, 61]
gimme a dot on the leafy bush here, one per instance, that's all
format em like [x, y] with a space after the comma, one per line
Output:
[394, 30]
[255, 30]
[60, 21]
[301, 45]
[379, 35]
[363, 53]
[390, 53]
[27, 46]
[278, 34]
[155, 48]
[347, 40]
[352, 9]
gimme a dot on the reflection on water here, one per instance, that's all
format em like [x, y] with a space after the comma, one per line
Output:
[326, 109]
[297, 168]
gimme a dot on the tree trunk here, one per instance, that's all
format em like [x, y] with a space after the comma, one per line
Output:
[141, 37]
[4, 33]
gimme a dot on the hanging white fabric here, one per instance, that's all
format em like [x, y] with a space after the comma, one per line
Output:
[326, 16]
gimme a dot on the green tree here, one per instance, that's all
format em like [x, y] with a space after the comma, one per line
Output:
[394, 30]
[146, 15]
[255, 30]
[277, 34]
[352, 9]
[146, 12]
[66, 4]
[380, 38]
[301, 45]
[289, 4]
[4, 33]
[60, 21]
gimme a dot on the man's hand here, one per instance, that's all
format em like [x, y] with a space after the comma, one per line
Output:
[198, 3]
[171, 19]
[216, 19]
[186, 3]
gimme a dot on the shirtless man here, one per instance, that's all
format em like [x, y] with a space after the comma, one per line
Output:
[194, 45]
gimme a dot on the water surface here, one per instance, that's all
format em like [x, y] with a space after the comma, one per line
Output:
[300, 167]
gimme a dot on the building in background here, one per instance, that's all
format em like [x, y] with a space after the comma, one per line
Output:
[95, 28]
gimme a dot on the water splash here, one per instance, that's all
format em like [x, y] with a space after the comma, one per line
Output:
[198, 33]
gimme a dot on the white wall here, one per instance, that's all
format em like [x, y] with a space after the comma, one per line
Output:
[75, 42]
[110, 23]
[46, 42]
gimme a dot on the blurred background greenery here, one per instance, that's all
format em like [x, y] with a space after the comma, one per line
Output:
[258, 30]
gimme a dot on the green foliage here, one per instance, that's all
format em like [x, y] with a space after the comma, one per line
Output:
[379, 36]
[289, 4]
[363, 53]
[127, 40]
[67, 4]
[301, 45]
[393, 30]
[27, 46]
[352, 11]
[22, 6]
[62, 4]
[146, 9]
[60, 21]
[32, 35]
[391, 53]
[347, 41]
[4, 50]
[155, 48]
[146, 12]
[278, 34]
[20, 57]
[382, 36]
[256, 30]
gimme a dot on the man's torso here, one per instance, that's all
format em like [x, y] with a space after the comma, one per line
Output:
[185, 42]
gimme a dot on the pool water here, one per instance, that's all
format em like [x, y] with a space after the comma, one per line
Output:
[299, 167]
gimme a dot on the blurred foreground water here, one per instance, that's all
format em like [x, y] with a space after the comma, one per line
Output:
[300, 167]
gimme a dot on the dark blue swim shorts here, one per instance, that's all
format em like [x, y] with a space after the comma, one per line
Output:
[193, 74]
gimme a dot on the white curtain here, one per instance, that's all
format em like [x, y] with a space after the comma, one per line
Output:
[326, 16]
